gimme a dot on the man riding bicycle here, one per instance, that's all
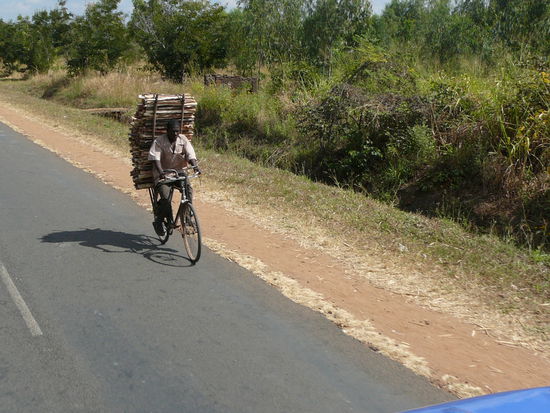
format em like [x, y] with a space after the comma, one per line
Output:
[170, 151]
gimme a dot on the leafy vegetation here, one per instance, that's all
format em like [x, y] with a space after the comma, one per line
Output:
[180, 37]
[99, 39]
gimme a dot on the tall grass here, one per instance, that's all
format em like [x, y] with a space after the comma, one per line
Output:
[115, 89]
[257, 126]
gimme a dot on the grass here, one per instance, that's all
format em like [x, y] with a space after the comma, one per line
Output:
[111, 131]
[510, 277]
[362, 220]
[116, 89]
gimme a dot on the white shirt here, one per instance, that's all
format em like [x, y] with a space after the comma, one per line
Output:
[171, 156]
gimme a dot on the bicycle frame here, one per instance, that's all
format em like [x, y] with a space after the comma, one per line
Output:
[185, 219]
[182, 184]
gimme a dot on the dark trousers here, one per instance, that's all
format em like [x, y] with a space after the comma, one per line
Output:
[164, 206]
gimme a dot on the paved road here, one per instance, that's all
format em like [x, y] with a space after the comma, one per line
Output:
[129, 326]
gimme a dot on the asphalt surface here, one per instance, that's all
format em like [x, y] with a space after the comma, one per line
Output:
[129, 326]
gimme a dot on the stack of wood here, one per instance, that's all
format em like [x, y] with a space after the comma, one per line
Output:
[152, 116]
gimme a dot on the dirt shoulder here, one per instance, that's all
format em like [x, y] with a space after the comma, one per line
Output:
[375, 296]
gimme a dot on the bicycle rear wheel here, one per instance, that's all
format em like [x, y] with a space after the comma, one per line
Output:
[190, 231]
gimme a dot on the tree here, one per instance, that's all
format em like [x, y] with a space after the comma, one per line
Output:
[10, 48]
[241, 49]
[55, 24]
[98, 39]
[272, 29]
[402, 20]
[181, 36]
[521, 23]
[333, 23]
[32, 45]
[445, 33]
[37, 50]
[46, 37]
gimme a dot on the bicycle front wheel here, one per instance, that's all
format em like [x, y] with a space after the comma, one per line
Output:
[163, 231]
[190, 231]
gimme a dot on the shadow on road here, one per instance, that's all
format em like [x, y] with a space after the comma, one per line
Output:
[120, 242]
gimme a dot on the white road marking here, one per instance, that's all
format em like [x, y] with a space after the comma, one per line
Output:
[19, 302]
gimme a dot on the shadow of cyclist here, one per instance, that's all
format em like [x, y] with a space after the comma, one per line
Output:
[120, 242]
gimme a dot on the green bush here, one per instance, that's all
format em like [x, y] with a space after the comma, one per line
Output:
[99, 39]
[181, 37]
[252, 125]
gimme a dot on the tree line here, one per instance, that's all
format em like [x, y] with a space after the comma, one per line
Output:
[179, 37]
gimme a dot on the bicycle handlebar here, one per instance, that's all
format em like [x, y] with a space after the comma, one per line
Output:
[178, 177]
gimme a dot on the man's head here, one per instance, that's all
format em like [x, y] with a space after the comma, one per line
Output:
[172, 129]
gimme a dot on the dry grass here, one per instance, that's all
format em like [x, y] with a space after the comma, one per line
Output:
[115, 89]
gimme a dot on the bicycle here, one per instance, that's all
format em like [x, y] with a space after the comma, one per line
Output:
[185, 220]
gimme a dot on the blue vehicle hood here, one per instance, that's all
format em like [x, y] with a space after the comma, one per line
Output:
[519, 401]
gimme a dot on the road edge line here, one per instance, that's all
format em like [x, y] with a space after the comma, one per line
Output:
[31, 322]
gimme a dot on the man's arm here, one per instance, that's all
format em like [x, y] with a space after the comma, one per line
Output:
[159, 169]
[154, 155]
[195, 166]
[190, 153]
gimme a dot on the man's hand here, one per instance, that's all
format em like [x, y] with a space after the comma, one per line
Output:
[167, 173]
[195, 166]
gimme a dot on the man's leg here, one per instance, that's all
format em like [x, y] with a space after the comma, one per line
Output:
[189, 190]
[164, 209]
[164, 205]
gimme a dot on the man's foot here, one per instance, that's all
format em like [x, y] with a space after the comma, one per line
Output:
[159, 228]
